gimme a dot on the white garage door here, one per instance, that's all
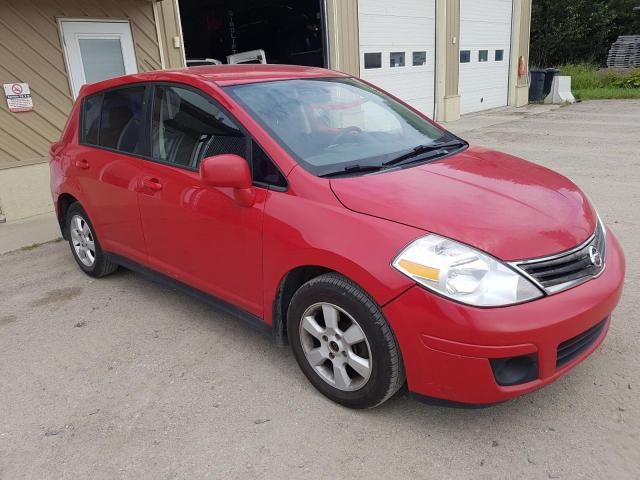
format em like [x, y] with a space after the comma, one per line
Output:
[397, 48]
[485, 41]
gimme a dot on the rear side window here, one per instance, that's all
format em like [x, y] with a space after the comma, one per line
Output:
[122, 120]
[188, 126]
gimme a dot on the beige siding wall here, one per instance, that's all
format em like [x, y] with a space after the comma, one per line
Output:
[344, 44]
[519, 90]
[31, 52]
[169, 28]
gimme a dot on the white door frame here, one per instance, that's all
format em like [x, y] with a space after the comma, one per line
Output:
[71, 47]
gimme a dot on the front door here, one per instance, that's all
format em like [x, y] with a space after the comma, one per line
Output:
[97, 51]
[196, 234]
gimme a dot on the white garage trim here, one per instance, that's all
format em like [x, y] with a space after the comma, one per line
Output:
[390, 30]
[485, 37]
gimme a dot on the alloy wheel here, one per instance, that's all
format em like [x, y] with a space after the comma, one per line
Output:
[336, 346]
[83, 241]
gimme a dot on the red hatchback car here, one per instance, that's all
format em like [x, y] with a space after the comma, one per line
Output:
[334, 216]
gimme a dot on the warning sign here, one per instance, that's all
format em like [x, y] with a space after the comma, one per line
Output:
[18, 97]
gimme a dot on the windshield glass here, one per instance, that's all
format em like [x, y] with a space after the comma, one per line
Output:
[329, 125]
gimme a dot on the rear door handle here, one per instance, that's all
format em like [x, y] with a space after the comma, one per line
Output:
[83, 163]
[152, 184]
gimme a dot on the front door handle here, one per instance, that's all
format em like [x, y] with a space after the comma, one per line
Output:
[83, 163]
[152, 184]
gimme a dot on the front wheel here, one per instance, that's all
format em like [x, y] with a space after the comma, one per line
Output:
[343, 343]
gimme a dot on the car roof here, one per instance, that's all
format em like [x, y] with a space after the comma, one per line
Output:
[221, 75]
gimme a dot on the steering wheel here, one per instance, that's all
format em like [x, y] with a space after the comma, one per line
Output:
[344, 132]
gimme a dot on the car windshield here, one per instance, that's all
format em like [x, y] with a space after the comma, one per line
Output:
[337, 125]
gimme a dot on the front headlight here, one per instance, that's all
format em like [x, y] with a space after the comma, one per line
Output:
[463, 273]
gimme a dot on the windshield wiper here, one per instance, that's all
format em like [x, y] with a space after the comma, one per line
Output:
[353, 169]
[434, 148]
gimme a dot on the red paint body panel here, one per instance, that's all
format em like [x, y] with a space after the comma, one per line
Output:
[508, 207]
[166, 218]
[463, 373]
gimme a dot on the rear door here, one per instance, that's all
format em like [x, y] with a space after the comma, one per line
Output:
[108, 167]
[194, 233]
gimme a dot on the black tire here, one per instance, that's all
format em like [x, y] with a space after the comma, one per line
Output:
[100, 267]
[387, 372]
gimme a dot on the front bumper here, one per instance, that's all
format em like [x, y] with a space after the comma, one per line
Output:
[446, 346]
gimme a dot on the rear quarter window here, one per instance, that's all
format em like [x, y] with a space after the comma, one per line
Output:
[91, 119]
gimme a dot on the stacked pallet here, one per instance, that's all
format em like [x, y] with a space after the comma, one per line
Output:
[625, 52]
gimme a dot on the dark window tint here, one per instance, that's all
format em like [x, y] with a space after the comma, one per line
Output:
[465, 56]
[499, 55]
[373, 60]
[91, 119]
[122, 120]
[188, 126]
[264, 170]
[483, 55]
[419, 58]
[396, 59]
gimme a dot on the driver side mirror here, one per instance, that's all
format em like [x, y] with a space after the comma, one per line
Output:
[229, 171]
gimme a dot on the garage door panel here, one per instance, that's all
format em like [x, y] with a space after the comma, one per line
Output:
[382, 30]
[401, 26]
[485, 26]
[397, 8]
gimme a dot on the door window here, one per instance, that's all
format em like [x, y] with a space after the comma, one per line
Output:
[187, 127]
[122, 120]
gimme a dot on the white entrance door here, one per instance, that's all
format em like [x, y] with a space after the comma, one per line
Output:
[397, 48]
[97, 50]
[485, 46]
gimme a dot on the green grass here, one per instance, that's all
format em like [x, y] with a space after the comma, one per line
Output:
[589, 82]
[606, 93]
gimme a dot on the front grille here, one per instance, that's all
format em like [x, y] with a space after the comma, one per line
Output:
[568, 269]
[573, 347]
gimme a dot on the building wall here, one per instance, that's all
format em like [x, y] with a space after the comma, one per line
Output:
[342, 25]
[31, 51]
[519, 91]
[448, 63]
[169, 30]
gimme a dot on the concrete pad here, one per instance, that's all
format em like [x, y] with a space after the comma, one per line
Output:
[28, 232]
[123, 378]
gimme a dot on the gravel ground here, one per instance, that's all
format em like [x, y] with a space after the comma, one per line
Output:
[122, 378]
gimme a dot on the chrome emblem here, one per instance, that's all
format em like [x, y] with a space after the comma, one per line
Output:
[595, 256]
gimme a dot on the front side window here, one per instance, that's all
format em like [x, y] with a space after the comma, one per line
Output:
[331, 124]
[188, 126]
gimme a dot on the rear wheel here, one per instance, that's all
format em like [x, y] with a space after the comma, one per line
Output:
[343, 343]
[84, 244]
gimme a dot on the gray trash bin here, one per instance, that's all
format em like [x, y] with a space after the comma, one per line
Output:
[536, 88]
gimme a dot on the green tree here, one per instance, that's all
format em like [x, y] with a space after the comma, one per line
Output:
[573, 31]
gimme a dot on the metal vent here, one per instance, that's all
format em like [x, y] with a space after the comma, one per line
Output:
[573, 347]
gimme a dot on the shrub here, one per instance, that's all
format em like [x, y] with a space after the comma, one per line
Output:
[585, 76]
[631, 80]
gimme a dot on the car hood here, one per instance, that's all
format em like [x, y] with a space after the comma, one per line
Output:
[506, 206]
